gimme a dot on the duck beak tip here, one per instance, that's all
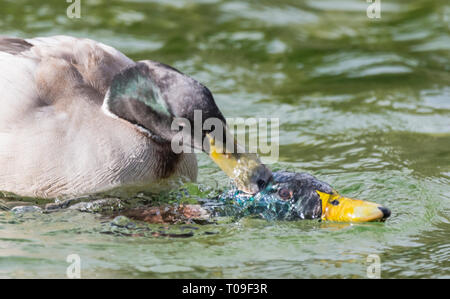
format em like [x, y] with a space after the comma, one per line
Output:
[386, 212]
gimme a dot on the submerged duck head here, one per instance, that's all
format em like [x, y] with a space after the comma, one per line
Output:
[293, 196]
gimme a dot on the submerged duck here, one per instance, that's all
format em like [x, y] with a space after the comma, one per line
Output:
[79, 117]
[290, 196]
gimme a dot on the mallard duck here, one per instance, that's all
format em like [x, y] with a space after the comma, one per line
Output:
[79, 117]
[290, 196]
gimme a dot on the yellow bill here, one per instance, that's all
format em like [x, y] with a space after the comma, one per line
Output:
[245, 169]
[343, 209]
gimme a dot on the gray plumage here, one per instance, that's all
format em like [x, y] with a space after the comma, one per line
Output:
[55, 139]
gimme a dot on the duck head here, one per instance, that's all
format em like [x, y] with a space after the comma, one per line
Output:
[172, 108]
[301, 196]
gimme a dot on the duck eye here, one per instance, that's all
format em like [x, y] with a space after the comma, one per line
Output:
[285, 193]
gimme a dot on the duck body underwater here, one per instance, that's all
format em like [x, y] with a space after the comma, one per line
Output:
[290, 196]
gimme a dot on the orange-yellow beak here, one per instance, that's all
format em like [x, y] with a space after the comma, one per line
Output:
[343, 209]
[245, 169]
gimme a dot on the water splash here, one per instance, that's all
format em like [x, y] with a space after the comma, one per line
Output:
[265, 204]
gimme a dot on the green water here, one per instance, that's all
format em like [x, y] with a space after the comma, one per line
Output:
[364, 104]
